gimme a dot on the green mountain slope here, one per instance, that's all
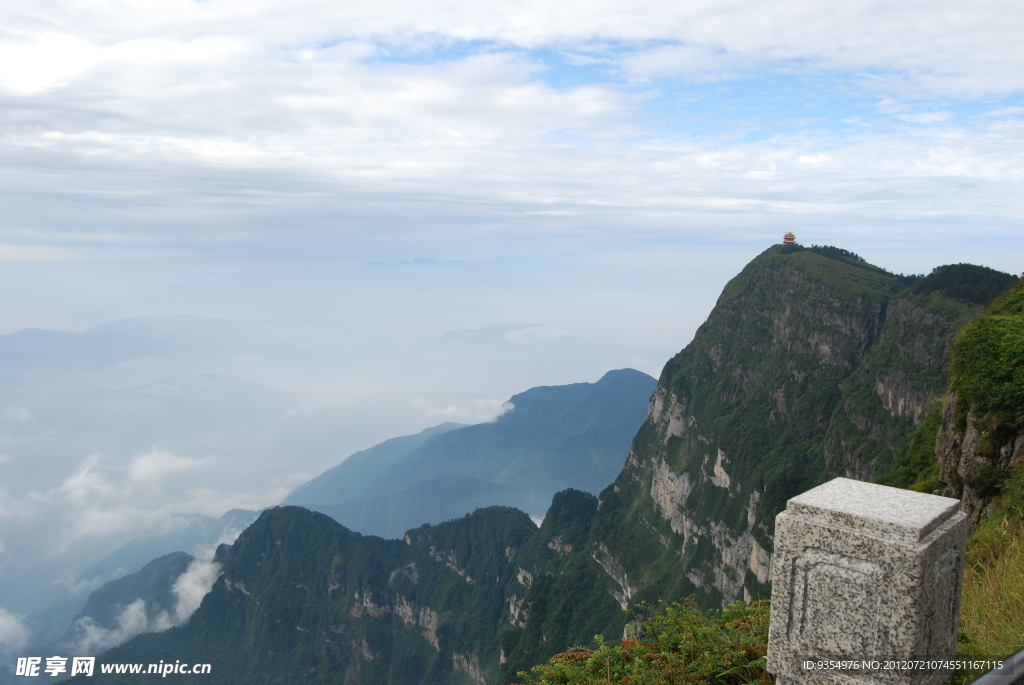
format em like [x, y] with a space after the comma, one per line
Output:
[980, 441]
[813, 364]
[303, 599]
[553, 438]
[887, 395]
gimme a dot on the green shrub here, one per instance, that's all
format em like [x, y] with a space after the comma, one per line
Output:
[988, 371]
[675, 645]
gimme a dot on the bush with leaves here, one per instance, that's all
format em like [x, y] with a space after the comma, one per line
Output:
[672, 646]
[988, 367]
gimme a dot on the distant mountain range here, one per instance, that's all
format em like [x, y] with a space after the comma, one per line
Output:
[813, 364]
[549, 439]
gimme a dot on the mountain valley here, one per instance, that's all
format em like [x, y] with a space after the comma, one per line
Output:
[812, 364]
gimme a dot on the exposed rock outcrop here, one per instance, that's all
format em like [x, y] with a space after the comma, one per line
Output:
[970, 468]
[813, 364]
[469, 664]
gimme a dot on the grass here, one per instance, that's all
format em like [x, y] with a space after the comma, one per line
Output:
[992, 604]
[992, 608]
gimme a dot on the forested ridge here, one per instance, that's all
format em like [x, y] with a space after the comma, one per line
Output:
[813, 364]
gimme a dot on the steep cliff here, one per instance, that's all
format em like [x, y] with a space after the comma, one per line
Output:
[889, 393]
[981, 437]
[303, 599]
[812, 364]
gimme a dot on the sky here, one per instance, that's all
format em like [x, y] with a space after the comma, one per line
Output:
[167, 141]
[388, 214]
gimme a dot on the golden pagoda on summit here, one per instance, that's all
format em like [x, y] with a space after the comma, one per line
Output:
[789, 239]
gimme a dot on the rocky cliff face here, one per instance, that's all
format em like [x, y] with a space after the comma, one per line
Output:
[812, 364]
[809, 367]
[970, 471]
[302, 598]
[889, 392]
[981, 437]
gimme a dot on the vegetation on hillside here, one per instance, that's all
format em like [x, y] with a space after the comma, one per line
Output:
[913, 354]
[987, 384]
[988, 379]
[964, 282]
[988, 368]
[675, 644]
[846, 256]
[781, 386]
[914, 466]
[992, 605]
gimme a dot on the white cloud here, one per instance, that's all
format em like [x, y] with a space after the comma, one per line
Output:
[150, 52]
[214, 502]
[925, 117]
[13, 633]
[192, 586]
[937, 42]
[330, 134]
[1005, 112]
[88, 484]
[91, 638]
[33, 63]
[205, 553]
[134, 619]
[470, 412]
[539, 333]
[7, 507]
[19, 414]
[699, 63]
[148, 471]
[101, 500]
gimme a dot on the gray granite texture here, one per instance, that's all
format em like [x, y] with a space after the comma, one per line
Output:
[865, 572]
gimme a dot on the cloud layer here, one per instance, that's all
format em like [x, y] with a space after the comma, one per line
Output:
[327, 133]
[13, 633]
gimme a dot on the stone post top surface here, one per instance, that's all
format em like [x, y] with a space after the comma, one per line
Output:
[902, 515]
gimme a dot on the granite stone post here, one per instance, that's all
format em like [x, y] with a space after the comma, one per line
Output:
[867, 575]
